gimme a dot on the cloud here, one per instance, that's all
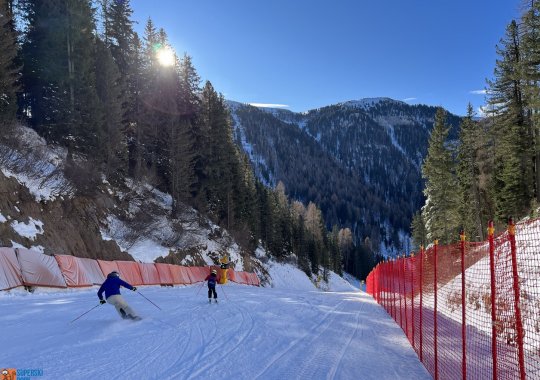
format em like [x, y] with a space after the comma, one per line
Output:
[409, 99]
[478, 92]
[268, 105]
[481, 111]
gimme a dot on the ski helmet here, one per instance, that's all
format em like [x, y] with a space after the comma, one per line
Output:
[114, 274]
[214, 271]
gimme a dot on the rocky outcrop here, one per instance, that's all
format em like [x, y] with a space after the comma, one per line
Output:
[69, 226]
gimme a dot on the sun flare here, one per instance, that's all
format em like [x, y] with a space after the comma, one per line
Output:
[165, 56]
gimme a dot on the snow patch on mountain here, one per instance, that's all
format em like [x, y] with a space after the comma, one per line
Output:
[36, 166]
[258, 162]
[367, 103]
[28, 230]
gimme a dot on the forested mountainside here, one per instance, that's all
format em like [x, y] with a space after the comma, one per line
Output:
[360, 161]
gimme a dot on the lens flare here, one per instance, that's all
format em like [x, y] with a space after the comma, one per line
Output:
[165, 56]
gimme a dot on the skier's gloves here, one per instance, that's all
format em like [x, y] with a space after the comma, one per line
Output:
[134, 289]
[102, 302]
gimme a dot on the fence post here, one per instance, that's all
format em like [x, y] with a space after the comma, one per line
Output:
[517, 296]
[463, 314]
[413, 266]
[382, 283]
[379, 283]
[435, 332]
[375, 290]
[399, 292]
[491, 230]
[393, 276]
[385, 272]
[421, 281]
[405, 297]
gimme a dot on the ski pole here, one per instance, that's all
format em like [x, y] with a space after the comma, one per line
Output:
[200, 287]
[149, 300]
[85, 313]
[225, 294]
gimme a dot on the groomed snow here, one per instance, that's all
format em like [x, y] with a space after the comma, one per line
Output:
[253, 333]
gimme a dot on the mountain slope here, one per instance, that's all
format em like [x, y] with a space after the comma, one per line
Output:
[59, 206]
[360, 161]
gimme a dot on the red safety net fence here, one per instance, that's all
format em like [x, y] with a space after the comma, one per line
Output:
[470, 310]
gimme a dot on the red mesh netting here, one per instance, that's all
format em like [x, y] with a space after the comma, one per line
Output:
[442, 299]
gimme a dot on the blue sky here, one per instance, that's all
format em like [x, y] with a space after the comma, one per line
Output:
[305, 54]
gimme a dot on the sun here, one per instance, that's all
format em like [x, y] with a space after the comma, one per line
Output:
[165, 56]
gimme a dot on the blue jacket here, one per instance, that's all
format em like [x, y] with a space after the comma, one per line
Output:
[111, 287]
[212, 280]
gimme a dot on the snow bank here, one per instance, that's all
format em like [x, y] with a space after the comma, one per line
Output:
[287, 276]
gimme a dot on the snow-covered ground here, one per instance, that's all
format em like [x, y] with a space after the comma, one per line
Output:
[290, 331]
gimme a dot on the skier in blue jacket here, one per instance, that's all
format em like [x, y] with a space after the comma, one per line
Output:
[111, 287]
[212, 281]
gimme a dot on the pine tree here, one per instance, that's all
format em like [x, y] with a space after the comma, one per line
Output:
[530, 73]
[120, 39]
[149, 116]
[193, 130]
[335, 251]
[134, 130]
[112, 142]
[8, 69]
[418, 230]
[442, 198]
[59, 73]
[345, 244]
[219, 156]
[513, 151]
[468, 172]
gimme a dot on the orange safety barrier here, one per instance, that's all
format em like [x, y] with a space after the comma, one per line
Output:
[190, 278]
[25, 267]
[130, 271]
[231, 274]
[107, 267]
[470, 310]
[240, 279]
[73, 271]
[197, 274]
[243, 278]
[164, 272]
[10, 275]
[93, 270]
[256, 280]
[205, 271]
[184, 274]
[39, 270]
[149, 274]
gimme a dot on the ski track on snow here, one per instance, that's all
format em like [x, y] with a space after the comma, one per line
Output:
[294, 343]
[244, 312]
[257, 333]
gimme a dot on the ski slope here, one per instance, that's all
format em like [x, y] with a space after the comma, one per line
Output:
[252, 333]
